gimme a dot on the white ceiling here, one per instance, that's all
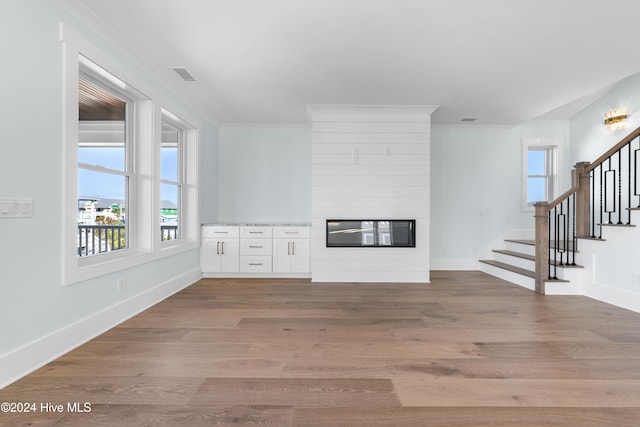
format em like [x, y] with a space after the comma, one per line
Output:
[263, 61]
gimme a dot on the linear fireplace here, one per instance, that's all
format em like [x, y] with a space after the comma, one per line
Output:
[389, 233]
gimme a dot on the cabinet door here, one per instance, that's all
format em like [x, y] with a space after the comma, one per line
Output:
[281, 255]
[209, 255]
[300, 256]
[291, 256]
[229, 255]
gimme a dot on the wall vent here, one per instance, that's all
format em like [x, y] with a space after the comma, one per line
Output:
[184, 74]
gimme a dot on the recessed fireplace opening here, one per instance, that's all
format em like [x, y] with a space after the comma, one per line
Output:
[371, 233]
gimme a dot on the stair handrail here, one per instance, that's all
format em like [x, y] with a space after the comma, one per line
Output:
[581, 204]
[623, 142]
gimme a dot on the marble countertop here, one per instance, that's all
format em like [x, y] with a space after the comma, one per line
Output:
[262, 224]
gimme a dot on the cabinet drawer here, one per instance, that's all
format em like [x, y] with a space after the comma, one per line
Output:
[255, 247]
[291, 232]
[220, 231]
[256, 232]
[255, 264]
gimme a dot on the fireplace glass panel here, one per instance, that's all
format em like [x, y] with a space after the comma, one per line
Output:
[370, 233]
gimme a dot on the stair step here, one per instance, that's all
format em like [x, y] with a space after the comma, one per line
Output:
[522, 242]
[532, 258]
[518, 270]
[515, 254]
[552, 243]
[508, 267]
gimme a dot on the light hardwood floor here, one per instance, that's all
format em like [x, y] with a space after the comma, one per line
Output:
[466, 350]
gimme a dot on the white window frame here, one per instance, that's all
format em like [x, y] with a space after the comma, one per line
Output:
[550, 148]
[144, 230]
[100, 78]
[180, 126]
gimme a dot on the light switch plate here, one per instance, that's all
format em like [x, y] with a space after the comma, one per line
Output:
[16, 208]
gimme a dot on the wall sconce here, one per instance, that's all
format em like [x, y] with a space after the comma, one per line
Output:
[614, 120]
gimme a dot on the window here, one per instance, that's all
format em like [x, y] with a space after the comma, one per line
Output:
[104, 163]
[113, 176]
[171, 176]
[539, 164]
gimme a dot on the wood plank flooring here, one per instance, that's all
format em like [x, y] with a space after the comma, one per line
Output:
[466, 350]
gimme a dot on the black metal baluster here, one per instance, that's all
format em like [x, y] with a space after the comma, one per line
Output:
[555, 249]
[620, 187]
[635, 173]
[593, 203]
[608, 197]
[629, 185]
[574, 241]
[601, 201]
[549, 247]
[566, 233]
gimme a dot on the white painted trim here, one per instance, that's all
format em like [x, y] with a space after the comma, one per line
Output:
[474, 128]
[372, 277]
[454, 264]
[145, 242]
[21, 361]
[167, 77]
[207, 275]
[555, 145]
[614, 296]
[235, 125]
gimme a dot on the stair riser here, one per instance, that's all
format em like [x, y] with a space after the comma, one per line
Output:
[518, 279]
[519, 247]
[555, 288]
[515, 261]
[569, 273]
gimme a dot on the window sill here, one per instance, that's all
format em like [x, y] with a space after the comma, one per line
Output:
[101, 265]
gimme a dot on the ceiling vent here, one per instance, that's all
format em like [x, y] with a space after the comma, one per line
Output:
[469, 119]
[184, 74]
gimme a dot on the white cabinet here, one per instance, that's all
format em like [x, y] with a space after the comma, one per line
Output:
[291, 250]
[255, 251]
[220, 250]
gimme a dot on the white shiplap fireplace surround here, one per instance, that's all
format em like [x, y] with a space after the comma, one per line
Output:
[370, 162]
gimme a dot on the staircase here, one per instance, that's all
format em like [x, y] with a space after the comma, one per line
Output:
[515, 262]
[589, 219]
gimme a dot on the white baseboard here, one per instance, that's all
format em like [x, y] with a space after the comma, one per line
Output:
[371, 277]
[614, 296]
[21, 361]
[207, 275]
[454, 264]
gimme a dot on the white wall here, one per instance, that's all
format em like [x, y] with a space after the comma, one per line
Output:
[370, 162]
[208, 168]
[589, 139]
[41, 318]
[264, 174]
[614, 277]
[476, 188]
